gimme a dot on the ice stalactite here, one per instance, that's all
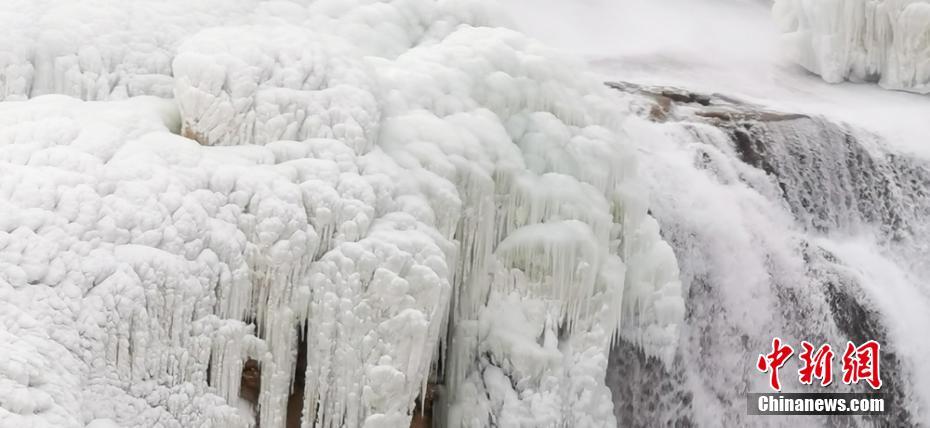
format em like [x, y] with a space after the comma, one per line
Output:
[105, 257]
[445, 200]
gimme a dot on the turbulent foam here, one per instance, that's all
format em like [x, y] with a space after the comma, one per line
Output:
[784, 225]
[444, 202]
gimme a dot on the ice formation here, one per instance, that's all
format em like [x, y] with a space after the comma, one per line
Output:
[409, 194]
[884, 41]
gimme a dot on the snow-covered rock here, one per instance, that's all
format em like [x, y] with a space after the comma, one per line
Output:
[407, 193]
[884, 41]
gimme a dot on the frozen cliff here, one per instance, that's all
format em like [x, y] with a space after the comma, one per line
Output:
[357, 203]
[884, 41]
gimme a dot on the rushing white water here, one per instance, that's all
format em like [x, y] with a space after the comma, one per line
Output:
[796, 228]
[787, 226]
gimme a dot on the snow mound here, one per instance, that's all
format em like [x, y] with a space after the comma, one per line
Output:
[410, 196]
[884, 41]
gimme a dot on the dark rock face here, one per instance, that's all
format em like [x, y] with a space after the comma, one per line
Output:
[251, 385]
[831, 179]
[662, 396]
[423, 413]
[858, 322]
[828, 177]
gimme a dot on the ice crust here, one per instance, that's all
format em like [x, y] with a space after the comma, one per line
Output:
[884, 41]
[421, 196]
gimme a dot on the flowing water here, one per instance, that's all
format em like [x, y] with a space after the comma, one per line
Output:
[784, 225]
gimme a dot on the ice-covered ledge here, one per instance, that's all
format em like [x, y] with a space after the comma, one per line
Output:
[884, 41]
[350, 219]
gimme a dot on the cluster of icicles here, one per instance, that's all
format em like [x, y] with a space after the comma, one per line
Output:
[448, 200]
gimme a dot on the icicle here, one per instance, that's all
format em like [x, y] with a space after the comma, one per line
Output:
[386, 193]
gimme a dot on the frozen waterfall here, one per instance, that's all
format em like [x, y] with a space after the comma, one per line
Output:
[395, 213]
[356, 204]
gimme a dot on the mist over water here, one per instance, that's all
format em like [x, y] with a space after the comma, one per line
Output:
[718, 33]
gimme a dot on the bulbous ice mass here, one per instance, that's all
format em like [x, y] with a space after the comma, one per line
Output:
[411, 195]
[884, 41]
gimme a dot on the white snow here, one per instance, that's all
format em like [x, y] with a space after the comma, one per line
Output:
[393, 180]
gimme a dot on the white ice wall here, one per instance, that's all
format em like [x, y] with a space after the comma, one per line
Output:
[887, 41]
[414, 188]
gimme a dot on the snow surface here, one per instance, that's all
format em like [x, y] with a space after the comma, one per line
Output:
[397, 183]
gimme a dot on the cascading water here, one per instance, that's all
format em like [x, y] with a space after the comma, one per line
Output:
[786, 225]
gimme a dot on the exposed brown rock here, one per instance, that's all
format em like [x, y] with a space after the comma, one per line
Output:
[187, 132]
[423, 413]
[251, 382]
[715, 108]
